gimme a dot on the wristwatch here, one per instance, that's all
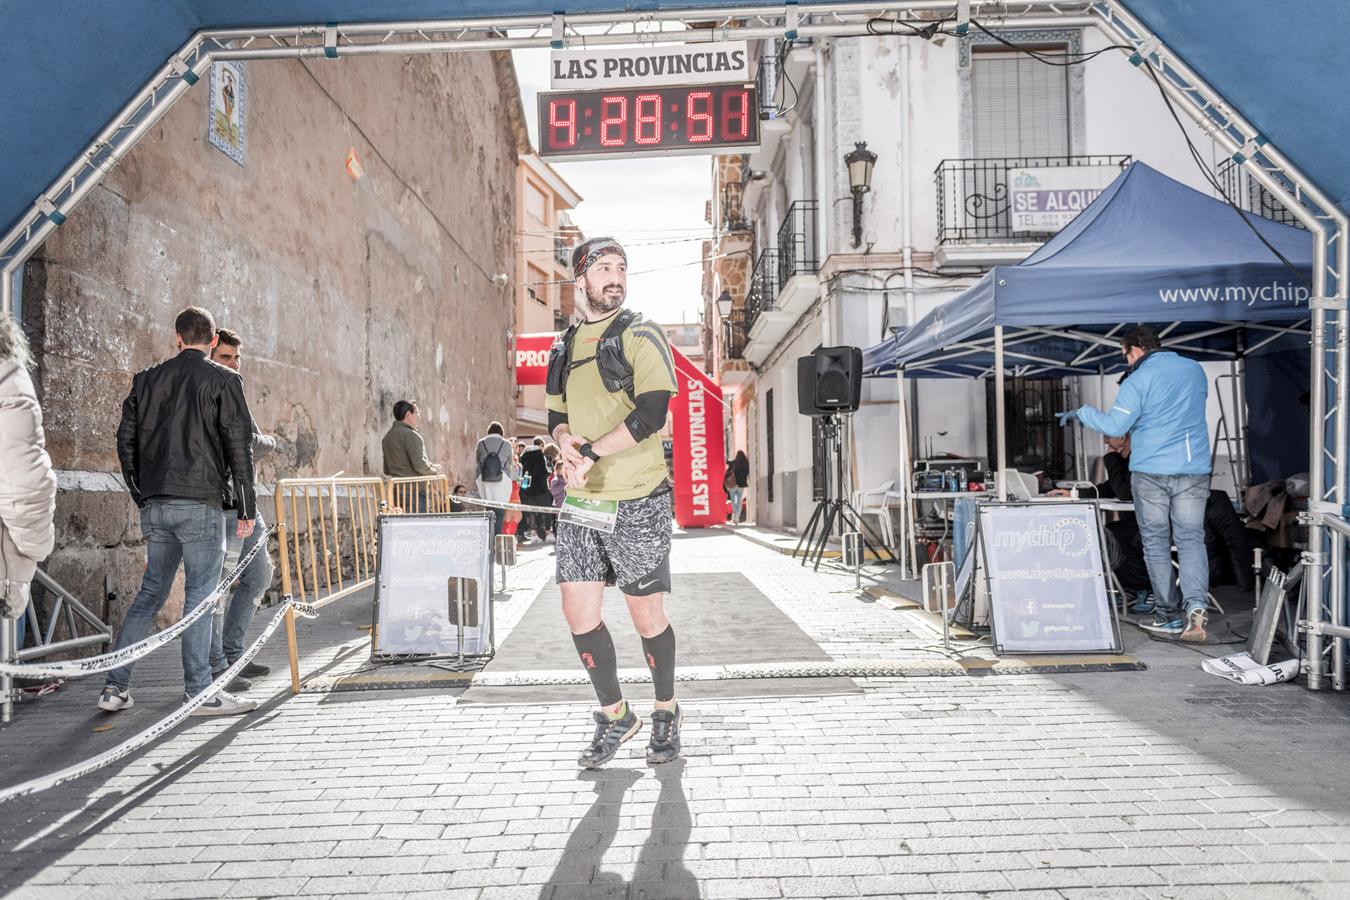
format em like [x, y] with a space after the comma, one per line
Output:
[587, 451]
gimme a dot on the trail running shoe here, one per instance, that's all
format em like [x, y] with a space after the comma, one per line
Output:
[114, 698]
[664, 745]
[609, 736]
[1164, 623]
[1195, 626]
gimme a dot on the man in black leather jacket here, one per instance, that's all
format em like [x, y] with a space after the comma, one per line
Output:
[185, 444]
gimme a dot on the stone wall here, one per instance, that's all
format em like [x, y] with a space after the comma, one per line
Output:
[349, 294]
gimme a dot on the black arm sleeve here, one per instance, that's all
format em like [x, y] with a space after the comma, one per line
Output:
[555, 419]
[650, 415]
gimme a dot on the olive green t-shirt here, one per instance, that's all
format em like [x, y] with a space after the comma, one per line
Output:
[593, 412]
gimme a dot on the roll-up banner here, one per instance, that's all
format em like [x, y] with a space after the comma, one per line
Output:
[699, 451]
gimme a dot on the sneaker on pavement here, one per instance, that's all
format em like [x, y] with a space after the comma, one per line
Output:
[224, 704]
[609, 736]
[1142, 605]
[1195, 626]
[114, 698]
[1164, 623]
[239, 682]
[664, 745]
[255, 670]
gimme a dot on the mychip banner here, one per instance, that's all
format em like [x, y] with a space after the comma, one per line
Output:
[1047, 584]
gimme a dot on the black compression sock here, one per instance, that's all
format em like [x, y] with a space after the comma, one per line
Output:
[596, 649]
[660, 653]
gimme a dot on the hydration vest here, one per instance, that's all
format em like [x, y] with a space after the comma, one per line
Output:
[616, 373]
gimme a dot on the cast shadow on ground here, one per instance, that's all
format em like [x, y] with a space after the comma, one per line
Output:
[659, 873]
[63, 809]
[1283, 736]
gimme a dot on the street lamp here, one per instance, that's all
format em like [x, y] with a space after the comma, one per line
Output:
[724, 304]
[860, 161]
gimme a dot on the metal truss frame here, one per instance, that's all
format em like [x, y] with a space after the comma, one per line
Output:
[1330, 393]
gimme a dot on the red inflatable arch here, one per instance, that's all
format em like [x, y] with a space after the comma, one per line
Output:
[696, 424]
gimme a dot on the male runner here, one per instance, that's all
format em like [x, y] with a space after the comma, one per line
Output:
[608, 393]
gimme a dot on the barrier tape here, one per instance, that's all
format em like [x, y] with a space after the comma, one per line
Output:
[163, 726]
[500, 504]
[117, 658]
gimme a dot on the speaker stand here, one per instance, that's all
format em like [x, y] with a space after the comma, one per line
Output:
[832, 511]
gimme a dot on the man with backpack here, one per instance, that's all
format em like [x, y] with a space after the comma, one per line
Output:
[610, 381]
[492, 468]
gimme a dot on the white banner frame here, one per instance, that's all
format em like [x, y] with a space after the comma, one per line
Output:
[1091, 548]
[424, 606]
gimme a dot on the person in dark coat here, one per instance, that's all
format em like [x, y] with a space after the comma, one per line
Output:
[534, 489]
[737, 480]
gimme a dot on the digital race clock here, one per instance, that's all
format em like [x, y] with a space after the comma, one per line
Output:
[658, 120]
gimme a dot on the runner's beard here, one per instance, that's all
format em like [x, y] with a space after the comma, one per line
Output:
[602, 302]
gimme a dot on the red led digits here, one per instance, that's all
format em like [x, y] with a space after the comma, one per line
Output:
[699, 124]
[735, 108]
[613, 126]
[564, 125]
[647, 124]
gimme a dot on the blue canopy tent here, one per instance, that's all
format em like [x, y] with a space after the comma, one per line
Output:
[1148, 249]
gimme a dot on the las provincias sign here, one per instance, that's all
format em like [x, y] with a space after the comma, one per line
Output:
[705, 63]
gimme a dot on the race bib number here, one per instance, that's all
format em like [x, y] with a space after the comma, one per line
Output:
[597, 515]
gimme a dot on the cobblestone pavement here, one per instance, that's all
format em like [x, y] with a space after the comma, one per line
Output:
[1159, 783]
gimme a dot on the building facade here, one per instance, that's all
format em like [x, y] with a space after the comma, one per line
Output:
[543, 277]
[359, 249]
[808, 263]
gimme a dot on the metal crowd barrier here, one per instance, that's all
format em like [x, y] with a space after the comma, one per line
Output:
[420, 494]
[325, 543]
[64, 608]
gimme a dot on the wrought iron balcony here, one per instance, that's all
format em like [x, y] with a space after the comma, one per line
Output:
[763, 287]
[797, 250]
[974, 200]
[734, 334]
[1248, 193]
[733, 207]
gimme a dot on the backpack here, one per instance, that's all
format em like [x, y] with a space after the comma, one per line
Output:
[491, 467]
[616, 372]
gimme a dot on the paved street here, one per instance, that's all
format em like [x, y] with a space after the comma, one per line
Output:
[1158, 783]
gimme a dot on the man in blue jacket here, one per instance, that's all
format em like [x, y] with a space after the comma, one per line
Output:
[1161, 406]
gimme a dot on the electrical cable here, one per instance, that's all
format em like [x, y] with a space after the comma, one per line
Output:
[1214, 181]
[685, 265]
[796, 95]
[1209, 176]
[1052, 59]
[688, 240]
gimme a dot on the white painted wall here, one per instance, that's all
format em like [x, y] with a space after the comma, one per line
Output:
[864, 90]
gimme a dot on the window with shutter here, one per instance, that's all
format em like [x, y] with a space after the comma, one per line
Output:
[1020, 107]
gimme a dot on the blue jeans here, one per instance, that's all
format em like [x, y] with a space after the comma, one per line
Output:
[1170, 510]
[189, 532]
[231, 620]
[737, 497]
